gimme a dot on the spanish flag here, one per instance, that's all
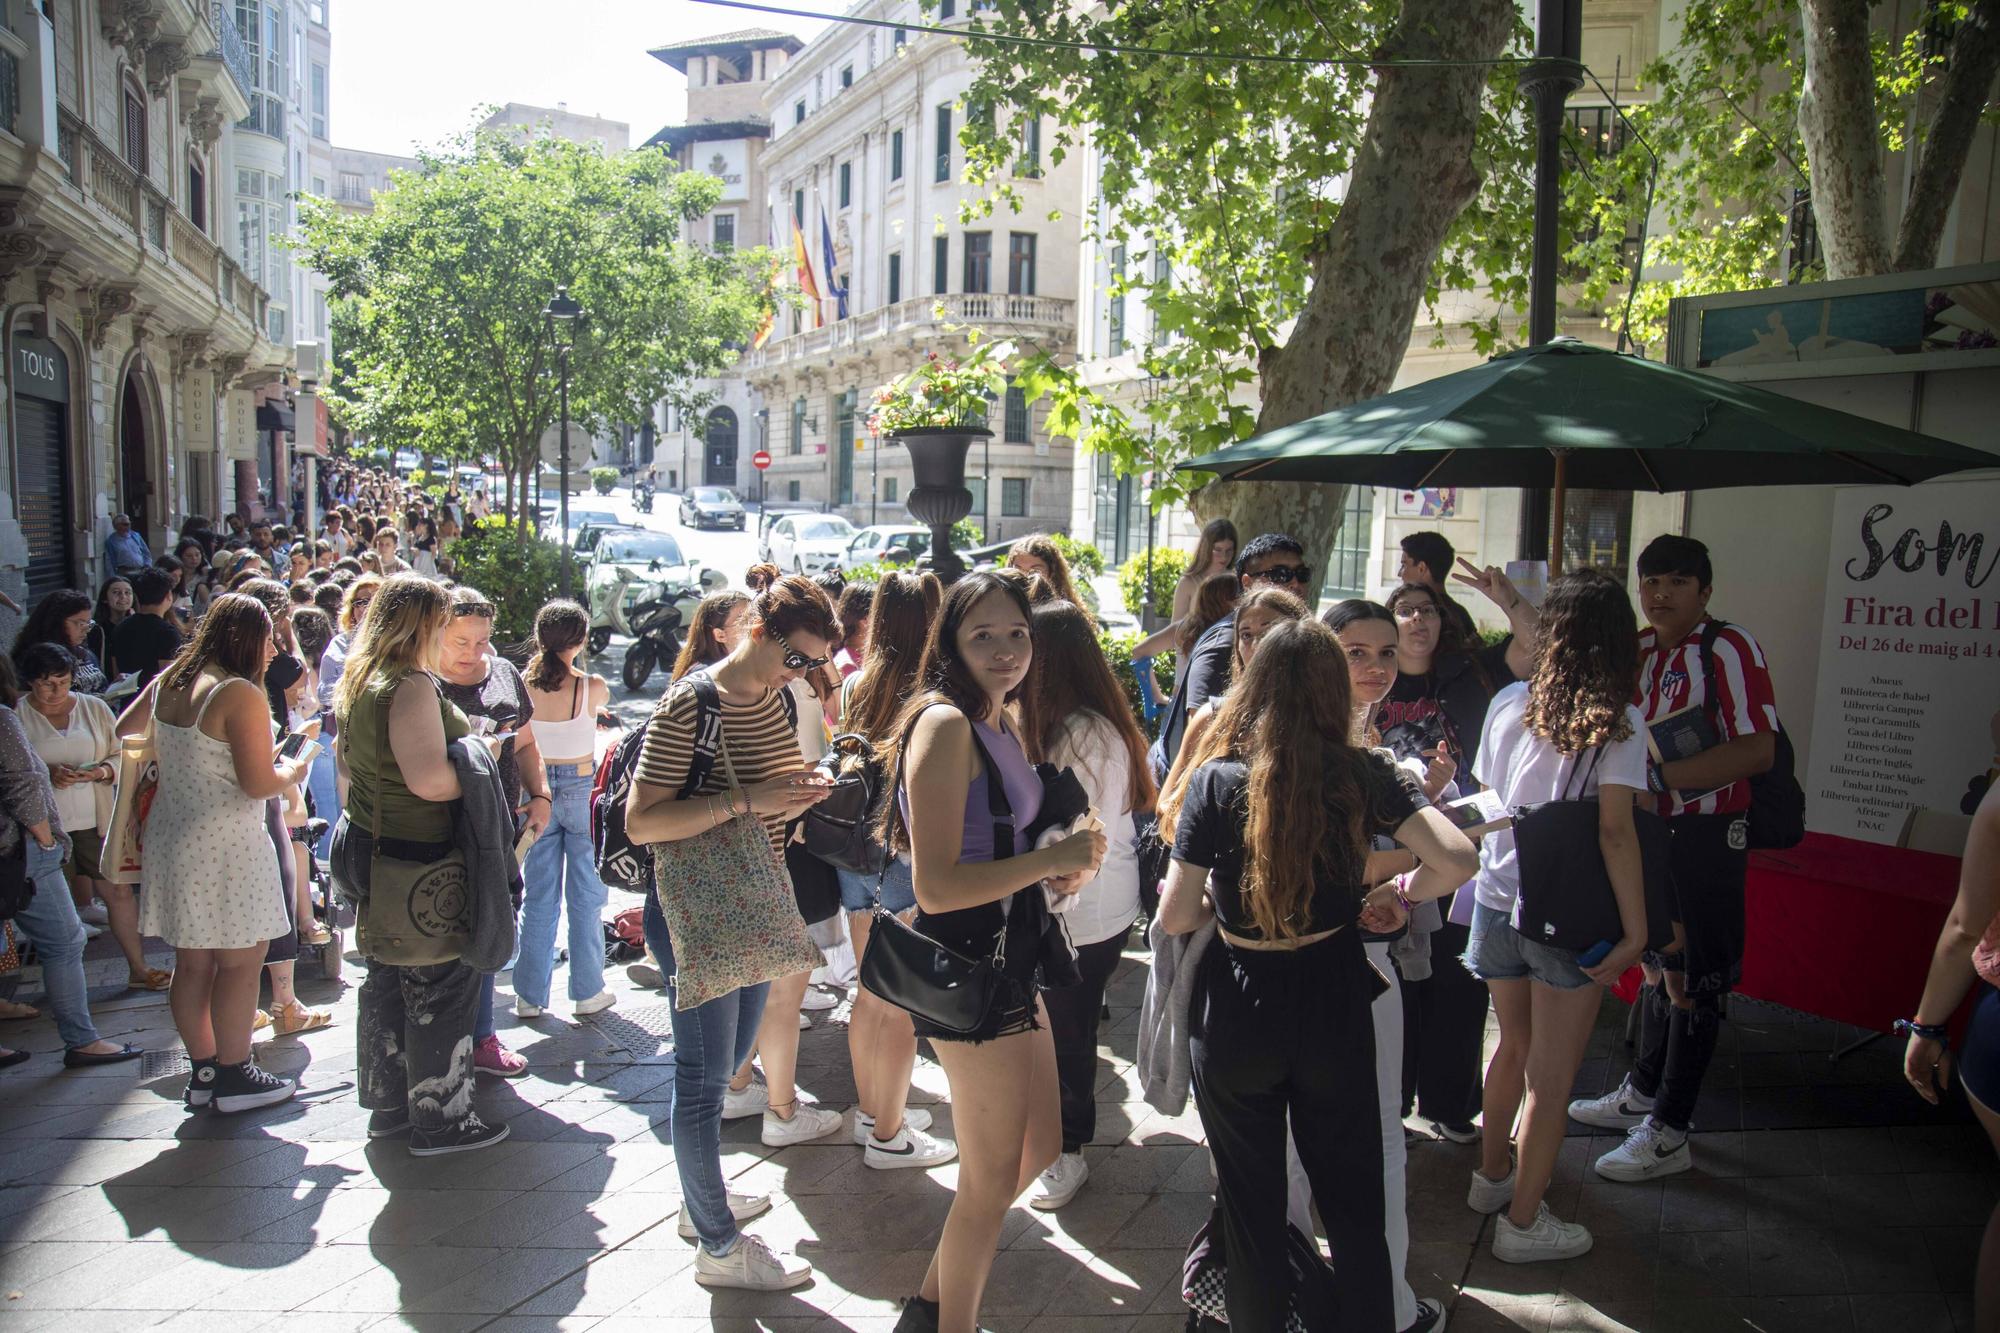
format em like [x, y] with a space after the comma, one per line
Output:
[807, 283]
[770, 315]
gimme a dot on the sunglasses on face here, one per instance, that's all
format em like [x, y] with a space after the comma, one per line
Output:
[1283, 574]
[798, 661]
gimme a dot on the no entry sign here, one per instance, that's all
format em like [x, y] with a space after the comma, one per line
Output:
[760, 460]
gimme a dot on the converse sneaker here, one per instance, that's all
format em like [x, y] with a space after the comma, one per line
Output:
[742, 1207]
[201, 1083]
[490, 1057]
[388, 1124]
[1620, 1108]
[808, 1122]
[751, 1266]
[753, 1100]
[1549, 1238]
[918, 1316]
[1059, 1184]
[910, 1147]
[245, 1087]
[1650, 1151]
[468, 1135]
[1430, 1317]
[817, 1000]
[915, 1117]
[1489, 1196]
[596, 1004]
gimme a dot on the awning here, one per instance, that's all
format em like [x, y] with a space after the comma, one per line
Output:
[274, 416]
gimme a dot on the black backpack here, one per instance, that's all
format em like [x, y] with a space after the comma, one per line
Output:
[840, 830]
[622, 863]
[1777, 815]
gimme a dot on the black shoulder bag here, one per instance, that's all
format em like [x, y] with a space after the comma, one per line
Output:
[1567, 900]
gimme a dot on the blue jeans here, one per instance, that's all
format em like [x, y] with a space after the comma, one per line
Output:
[50, 923]
[482, 1018]
[562, 873]
[325, 798]
[1495, 951]
[710, 1042]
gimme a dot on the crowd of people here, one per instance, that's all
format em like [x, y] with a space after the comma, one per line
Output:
[1328, 927]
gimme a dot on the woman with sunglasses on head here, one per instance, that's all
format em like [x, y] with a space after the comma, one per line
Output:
[790, 623]
[1275, 768]
[1433, 715]
[981, 896]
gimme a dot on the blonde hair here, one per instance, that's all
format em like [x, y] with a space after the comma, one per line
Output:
[348, 621]
[399, 635]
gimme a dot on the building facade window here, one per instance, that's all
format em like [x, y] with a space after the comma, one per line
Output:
[847, 76]
[946, 8]
[1163, 281]
[1020, 263]
[353, 190]
[896, 155]
[977, 485]
[262, 25]
[799, 112]
[135, 130]
[791, 490]
[1017, 425]
[1347, 562]
[197, 195]
[844, 405]
[978, 261]
[1114, 315]
[889, 490]
[940, 264]
[846, 184]
[943, 173]
[799, 208]
[319, 101]
[1013, 497]
[895, 276]
[1030, 161]
[723, 233]
[900, 40]
[798, 442]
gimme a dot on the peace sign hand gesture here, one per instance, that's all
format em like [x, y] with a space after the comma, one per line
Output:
[1491, 582]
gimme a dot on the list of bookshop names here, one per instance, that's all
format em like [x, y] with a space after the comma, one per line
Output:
[1877, 773]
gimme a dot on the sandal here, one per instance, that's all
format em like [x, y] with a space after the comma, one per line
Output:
[9, 1009]
[290, 1022]
[315, 937]
[262, 1021]
[153, 979]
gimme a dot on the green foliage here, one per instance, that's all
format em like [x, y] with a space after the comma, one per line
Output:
[381, 458]
[965, 534]
[1085, 560]
[1169, 563]
[441, 291]
[943, 391]
[875, 571]
[518, 570]
[603, 479]
[1118, 651]
[419, 478]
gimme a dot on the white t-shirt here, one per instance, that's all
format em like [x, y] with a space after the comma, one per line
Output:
[1108, 905]
[1524, 769]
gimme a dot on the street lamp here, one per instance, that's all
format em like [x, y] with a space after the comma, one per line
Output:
[562, 315]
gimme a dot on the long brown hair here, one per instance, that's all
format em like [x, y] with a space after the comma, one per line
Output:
[1586, 664]
[945, 679]
[905, 605]
[1213, 531]
[1072, 679]
[230, 635]
[785, 604]
[1043, 548]
[701, 646]
[559, 627]
[1215, 598]
[1287, 719]
[1275, 602]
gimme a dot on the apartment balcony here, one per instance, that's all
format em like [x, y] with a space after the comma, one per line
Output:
[911, 324]
[221, 71]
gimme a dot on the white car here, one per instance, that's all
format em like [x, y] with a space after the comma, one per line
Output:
[897, 544]
[808, 543]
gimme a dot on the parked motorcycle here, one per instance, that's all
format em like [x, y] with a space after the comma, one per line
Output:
[656, 620]
[619, 595]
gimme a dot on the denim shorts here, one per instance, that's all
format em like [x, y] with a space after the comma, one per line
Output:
[1495, 951]
[899, 889]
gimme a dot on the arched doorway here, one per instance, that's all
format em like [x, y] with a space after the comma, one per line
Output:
[719, 449]
[135, 475]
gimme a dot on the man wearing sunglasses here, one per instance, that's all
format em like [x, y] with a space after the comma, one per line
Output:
[1273, 560]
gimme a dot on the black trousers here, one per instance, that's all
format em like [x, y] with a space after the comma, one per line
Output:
[1444, 1034]
[415, 1034]
[1284, 1036]
[1073, 1015]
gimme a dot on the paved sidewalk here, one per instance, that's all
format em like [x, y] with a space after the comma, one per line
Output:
[1824, 1198]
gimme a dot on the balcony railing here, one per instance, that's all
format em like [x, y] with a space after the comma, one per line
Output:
[235, 55]
[996, 312]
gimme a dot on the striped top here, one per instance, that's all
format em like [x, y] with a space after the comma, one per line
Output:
[1673, 678]
[758, 738]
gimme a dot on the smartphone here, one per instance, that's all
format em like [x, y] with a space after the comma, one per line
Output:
[1595, 954]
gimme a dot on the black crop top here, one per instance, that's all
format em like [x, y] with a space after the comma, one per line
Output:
[1215, 810]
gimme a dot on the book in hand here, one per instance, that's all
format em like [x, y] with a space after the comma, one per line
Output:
[1681, 734]
[1478, 814]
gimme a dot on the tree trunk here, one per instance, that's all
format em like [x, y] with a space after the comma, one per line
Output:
[1413, 174]
[1939, 156]
[1837, 121]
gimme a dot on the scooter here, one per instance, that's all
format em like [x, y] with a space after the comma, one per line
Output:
[612, 613]
[656, 622]
[644, 503]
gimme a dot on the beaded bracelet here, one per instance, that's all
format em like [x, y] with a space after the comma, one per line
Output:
[1928, 1031]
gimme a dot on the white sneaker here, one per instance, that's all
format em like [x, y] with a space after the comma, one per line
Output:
[1650, 1151]
[1620, 1108]
[808, 1122]
[742, 1207]
[914, 1117]
[1489, 1196]
[751, 1266]
[94, 914]
[804, 1022]
[645, 976]
[817, 1000]
[1059, 1184]
[596, 1004]
[1549, 1238]
[910, 1147]
[91, 932]
[522, 1009]
[753, 1100]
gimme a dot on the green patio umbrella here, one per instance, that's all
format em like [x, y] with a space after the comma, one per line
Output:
[1568, 414]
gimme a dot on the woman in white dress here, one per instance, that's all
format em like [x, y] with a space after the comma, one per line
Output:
[211, 883]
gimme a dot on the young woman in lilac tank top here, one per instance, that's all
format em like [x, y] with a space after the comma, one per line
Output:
[1005, 1108]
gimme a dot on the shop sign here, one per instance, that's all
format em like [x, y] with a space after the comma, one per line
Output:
[40, 369]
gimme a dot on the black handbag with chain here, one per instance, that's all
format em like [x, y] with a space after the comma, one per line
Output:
[1567, 900]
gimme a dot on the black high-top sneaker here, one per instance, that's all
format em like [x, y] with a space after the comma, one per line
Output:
[201, 1083]
[245, 1087]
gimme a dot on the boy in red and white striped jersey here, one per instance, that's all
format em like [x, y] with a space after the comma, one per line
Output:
[1689, 659]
